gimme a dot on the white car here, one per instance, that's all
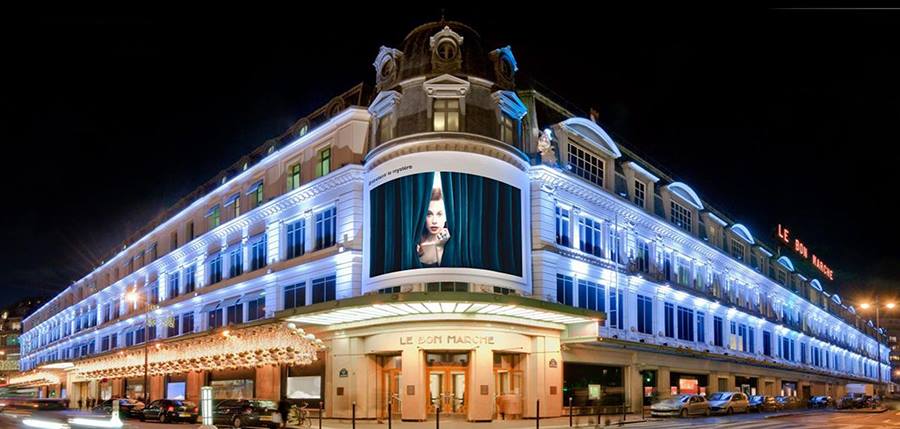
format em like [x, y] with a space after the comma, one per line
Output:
[681, 406]
[729, 403]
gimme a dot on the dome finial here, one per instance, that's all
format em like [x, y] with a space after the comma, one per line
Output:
[442, 16]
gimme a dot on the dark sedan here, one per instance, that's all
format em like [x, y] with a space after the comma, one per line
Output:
[760, 403]
[127, 407]
[240, 413]
[170, 410]
[820, 402]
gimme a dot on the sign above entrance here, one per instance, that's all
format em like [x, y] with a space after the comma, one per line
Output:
[446, 340]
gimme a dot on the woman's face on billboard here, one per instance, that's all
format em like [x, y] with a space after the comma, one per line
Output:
[435, 219]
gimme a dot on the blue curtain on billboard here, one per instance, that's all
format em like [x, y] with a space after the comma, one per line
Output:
[485, 223]
[398, 209]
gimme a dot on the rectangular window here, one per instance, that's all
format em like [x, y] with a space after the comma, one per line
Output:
[717, 331]
[326, 228]
[585, 165]
[129, 339]
[386, 127]
[767, 343]
[742, 334]
[187, 323]
[173, 240]
[256, 195]
[681, 217]
[104, 344]
[446, 114]
[615, 244]
[173, 328]
[236, 261]
[507, 129]
[215, 269]
[616, 315]
[189, 231]
[640, 191]
[751, 343]
[564, 289]
[173, 287]
[236, 207]
[324, 289]
[447, 287]
[214, 318]
[190, 279]
[256, 309]
[293, 177]
[670, 320]
[258, 253]
[152, 295]
[323, 165]
[732, 337]
[685, 324]
[590, 236]
[214, 216]
[645, 314]
[737, 250]
[562, 227]
[591, 295]
[295, 296]
[234, 314]
[139, 335]
[296, 238]
[643, 256]
[701, 327]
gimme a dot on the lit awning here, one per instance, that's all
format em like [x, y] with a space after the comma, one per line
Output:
[436, 305]
[210, 307]
[35, 378]
[228, 302]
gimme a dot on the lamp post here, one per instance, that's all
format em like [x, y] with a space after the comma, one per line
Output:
[889, 306]
[134, 297]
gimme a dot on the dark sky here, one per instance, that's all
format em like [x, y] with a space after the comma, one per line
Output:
[771, 115]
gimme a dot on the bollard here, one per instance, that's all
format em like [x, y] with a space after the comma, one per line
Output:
[437, 418]
[321, 411]
[570, 411]
[537, 415]
[389, 413]
[353, 416]
[624, 415]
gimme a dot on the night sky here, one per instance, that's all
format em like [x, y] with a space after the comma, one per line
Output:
[772, 116]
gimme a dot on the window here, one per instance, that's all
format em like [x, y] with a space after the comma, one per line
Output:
[767, 343]
[256, 194]
[591, 295]
[129, 339]
[670, 320]
[236, 261]
[590, 234]
[296, 238]
[643, 256]
[187, 323]
[214, 216]
[732, 338]
[139, 335]
[585, 165]
[446, 114]
[644, 314]
[386, 127]
[640, 191]
[214, 318]
[701, 327]
[751, 343]
[737, 250]
[562, 226]
[507, 129]
[564, 289]
[717, 331]
[326, 226]
[258, 253]
[215, 269]
[685, 324]
[173, 328]
[447, 287]
[104, 344]
[189, 230]
[615, 244]
[295, 296]
[152, 296]
[256, 309]
[293, 178]
[681, 217]
[173, 240]
[234, 314]
[615, 309]
[389, 290]
[190, 280]
[323, 289]
[323, 166]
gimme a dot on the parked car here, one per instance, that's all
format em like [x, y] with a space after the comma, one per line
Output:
[852, 400]
[240, 413]
[127, 407]
[760, 403]
[170, 410]
[728, 403]
[820, 402]
[789, 402]
[681, 405]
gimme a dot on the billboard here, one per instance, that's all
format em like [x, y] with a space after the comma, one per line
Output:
[445, 219]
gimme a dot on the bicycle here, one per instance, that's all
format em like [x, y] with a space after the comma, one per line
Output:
[300, 415]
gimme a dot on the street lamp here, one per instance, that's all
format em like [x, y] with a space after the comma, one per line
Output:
[877, 306]
[134, 297]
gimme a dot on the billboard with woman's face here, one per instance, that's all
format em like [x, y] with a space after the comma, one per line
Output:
[445, 219]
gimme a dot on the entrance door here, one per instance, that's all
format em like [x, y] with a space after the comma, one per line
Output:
[391, 391]
[447, 390]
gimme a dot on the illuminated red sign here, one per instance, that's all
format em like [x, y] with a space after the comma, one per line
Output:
[784, 235]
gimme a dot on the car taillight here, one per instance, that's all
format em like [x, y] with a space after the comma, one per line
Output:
[196, 410]
[171, 408]
[248, 410]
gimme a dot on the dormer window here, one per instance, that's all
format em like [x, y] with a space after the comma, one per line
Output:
[737, 250]
[640, 190]
[446, 114]
[386, 127]
[681, 217]
[507, 130]
[586, 165]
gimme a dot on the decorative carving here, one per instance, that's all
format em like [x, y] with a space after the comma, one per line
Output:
[387, 63]
[545, 147]
[446, 55]
[505, 67]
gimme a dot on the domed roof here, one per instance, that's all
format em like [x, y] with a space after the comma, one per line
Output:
[420, 59]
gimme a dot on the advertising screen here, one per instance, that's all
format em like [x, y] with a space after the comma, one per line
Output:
[445, 219]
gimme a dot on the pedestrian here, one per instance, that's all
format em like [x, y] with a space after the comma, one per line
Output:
[79, 403]
[283, 408]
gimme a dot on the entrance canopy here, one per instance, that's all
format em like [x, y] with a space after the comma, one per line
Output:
[430, 306]
[35, 378]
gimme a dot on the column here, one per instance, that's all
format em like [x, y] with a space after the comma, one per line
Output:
[268, 382]
[195, 380]
[663, 385]
[412, 385]
[634, 388]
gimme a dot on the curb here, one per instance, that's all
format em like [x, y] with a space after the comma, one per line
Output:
[877, 411]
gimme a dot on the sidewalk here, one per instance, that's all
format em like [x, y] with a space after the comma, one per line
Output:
[456, 422]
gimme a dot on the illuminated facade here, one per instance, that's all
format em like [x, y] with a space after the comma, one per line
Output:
[461, 245]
